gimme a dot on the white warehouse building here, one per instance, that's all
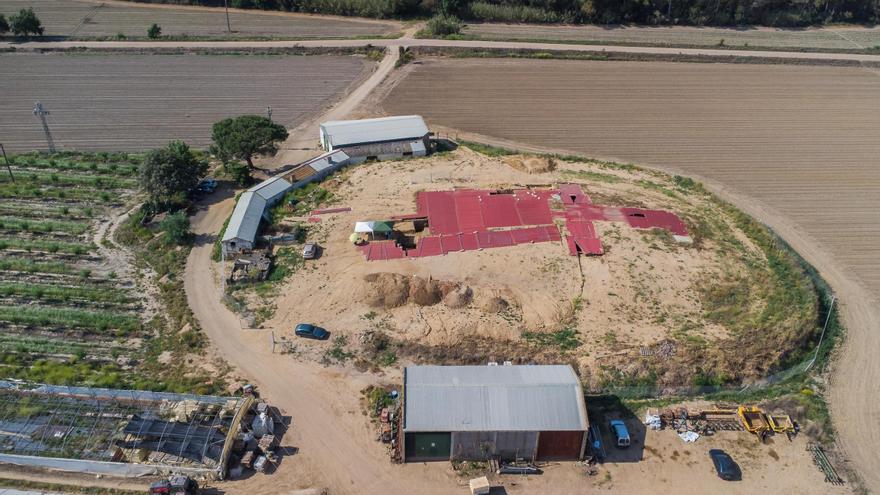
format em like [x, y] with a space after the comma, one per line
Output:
[381, 138]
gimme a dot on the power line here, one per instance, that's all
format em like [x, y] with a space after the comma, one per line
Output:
[41, 112]
[6, 160]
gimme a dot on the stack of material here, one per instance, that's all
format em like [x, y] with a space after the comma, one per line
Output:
[480, 486]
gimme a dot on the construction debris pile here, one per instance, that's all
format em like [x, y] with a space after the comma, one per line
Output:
[691, 424]
[255, 442]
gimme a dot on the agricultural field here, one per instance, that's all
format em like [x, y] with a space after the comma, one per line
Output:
[830, 38]
[133, 102]
[86, 19]
[804, 140]
[70, 310]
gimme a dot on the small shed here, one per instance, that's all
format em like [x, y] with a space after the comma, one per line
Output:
[533, 412]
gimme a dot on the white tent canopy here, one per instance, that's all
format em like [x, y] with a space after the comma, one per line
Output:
[370, 227]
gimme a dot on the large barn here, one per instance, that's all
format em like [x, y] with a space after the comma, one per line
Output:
[532, 412]
[381, 138]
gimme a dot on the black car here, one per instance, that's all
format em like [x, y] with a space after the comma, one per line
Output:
[725, 466]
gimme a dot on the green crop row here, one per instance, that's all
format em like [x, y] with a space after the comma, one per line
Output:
[41, 345]
[28, 225]
[31, 191]
[42, 316]
[46, 292]
[67, 179]
[32, 161]
[27, 210]
[77, 248]
[31, 266]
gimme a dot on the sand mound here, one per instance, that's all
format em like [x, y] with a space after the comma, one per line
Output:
[391, 290]
[495, 305]
[531, 164]
[458, 298]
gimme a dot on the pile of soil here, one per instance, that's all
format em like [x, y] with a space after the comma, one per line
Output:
[459, 298]
[391, 290]
[495, 305]
[531, 164]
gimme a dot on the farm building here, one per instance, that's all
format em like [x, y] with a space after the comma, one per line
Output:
[382, 138]
[252, 206]
[533, 412]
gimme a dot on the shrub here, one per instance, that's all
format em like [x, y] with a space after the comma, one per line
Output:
[443, 25]
[154, 32]
[176, 228]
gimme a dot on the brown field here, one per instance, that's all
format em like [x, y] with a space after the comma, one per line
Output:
[86, 19]
[843, 38]
[805, 140]
[138, 102]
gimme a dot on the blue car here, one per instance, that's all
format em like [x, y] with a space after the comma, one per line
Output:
[309, 331]
[621, 434]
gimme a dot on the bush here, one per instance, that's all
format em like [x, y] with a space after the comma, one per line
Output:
[443, 25]
[25, 23]
[154, 32]
[485, 11]
[176, 229]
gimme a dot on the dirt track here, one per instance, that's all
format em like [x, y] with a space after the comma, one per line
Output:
[795, 147]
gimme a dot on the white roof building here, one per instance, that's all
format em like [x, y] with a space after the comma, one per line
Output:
[341, 133]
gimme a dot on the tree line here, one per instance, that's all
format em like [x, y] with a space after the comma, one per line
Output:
[780, 13]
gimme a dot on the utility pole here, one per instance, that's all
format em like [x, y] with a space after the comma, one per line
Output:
[228, 27]
[269, 112]
[40, 112]
[6, 160]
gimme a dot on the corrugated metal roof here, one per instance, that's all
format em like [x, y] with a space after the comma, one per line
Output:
[328, 160]
[245, 219]
[493, 398]
[350, 132]
[271, 187]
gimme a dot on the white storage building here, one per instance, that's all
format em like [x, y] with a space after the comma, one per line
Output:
[385, 137]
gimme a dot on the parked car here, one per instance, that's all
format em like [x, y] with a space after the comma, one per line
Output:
[309, 331]
[207, 185]
[621, 434]
[310, 251]
[725, 466]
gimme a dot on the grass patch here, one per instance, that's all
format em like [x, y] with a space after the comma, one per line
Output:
[564, 339]
[487, 149]
[31, 266]
[92, 321]
[47, 292]
[43, 226]
[77, 248]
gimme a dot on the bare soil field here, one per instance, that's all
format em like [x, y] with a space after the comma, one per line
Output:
[87, 19]
[139, 102]
[804, 140]
[832, 38]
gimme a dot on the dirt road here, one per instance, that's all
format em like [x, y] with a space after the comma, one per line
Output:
[394, 43]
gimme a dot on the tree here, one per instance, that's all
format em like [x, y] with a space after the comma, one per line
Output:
[25, 23]
[4, 26]
[176, 228]
[169, 173]
[154, 32]
[245, 136]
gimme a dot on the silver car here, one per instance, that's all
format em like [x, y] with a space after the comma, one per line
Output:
[310, 251]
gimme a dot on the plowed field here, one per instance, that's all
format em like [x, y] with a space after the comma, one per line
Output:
[843, 38]
[85, 19]
[138, 102]
[805, 140]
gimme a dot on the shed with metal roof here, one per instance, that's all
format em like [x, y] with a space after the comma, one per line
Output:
[479, 412]
[342, 134]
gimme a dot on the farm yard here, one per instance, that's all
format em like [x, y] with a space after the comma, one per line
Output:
[803, 140]
[132, 102]
[825, 39]
[83, 19]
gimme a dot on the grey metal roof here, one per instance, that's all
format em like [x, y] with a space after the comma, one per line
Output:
[270, 188]
[245, 219]
[493, 398]
[350, 132]
[328, 160]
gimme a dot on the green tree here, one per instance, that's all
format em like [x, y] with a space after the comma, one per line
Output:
[4, 26]
[169, 173]
[25, 23]
[154, 32]
[176, 228]
[245, 136]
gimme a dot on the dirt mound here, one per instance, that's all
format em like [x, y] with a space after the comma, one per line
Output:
[458, 298]
[386, 290]
[531, 164]
[494, 305]
[391, 290]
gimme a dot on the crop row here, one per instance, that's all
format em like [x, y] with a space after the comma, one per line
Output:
[89, 321]
[68, 179]
[43, 226]
[41, 345]
[25, 191]
[54, 292]
[77, 248]
[24, 209]
[121, 169]
[31, 266]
